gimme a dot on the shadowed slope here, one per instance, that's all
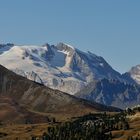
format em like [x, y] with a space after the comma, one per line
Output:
[43, 100]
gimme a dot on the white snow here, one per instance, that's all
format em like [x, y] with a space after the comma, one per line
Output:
[101, 64]
[54, 70]
[69, 46]
[135, 73]
[27, 59]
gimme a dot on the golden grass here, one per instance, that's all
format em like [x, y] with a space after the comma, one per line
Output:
[23, 132]
[134, 130]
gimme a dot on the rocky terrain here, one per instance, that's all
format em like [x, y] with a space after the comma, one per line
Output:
[112, 92]
[60, 66]
[20, 97]
[67, 69]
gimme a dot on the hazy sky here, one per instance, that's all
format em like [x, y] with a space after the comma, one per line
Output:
[110, 28]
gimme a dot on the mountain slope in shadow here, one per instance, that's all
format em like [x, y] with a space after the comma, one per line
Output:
[22, 97]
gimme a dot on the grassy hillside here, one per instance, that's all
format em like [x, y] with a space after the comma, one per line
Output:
[99, 126]
[21, 97]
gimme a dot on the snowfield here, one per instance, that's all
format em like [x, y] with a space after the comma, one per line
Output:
[58, 66]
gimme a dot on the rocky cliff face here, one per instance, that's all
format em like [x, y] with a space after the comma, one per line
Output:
[112, 92]
[59, 66]
[65, 68]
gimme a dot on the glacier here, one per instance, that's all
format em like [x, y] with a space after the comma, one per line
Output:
[60, 66]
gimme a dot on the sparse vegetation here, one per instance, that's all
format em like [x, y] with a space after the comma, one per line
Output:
[99, 126]
[91, 127]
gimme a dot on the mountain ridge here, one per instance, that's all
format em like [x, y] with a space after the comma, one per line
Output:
[112, 92]
[34, 98]
[68, 69]
[60, 66]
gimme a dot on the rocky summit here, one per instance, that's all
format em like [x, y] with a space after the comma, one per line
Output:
[60, 66]
[65, 68]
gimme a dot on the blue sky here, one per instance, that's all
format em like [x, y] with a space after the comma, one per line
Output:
[110, 28]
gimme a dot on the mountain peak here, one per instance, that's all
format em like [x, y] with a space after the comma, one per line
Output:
[58, 66]
[65, 47]
[135, 73]
[5, 47]
[7, 44]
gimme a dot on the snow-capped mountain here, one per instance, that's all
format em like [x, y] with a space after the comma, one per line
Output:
[58, 66]
[135, 73]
